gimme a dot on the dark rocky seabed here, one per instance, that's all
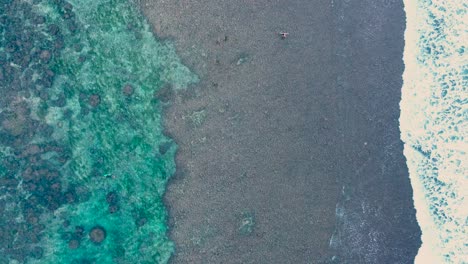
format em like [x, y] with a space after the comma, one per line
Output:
[85, 159]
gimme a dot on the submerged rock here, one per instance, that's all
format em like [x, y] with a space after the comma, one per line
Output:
[94, 100]
[247, 223]
[45, 55]
[97, 234]
[74, 244]
[128, 90]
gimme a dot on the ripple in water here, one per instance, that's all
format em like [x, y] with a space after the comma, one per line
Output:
[433, 123]
[84, 160]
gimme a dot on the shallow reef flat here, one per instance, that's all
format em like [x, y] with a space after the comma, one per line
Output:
[84, 160]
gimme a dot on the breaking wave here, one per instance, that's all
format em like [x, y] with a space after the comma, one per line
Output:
[433, 124]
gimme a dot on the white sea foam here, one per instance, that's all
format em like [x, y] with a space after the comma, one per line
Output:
[433, 123]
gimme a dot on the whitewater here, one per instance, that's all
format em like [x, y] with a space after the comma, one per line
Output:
[433, 124]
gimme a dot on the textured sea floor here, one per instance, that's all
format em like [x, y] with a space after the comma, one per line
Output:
[256, 167]
[295, 140]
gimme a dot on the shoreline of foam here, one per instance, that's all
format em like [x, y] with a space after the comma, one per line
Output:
[429, 127]
[410, 65]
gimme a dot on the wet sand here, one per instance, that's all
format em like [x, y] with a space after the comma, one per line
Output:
[269, 136]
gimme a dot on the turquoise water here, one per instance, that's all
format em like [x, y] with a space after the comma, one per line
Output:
[83, 152]
[433, 123]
